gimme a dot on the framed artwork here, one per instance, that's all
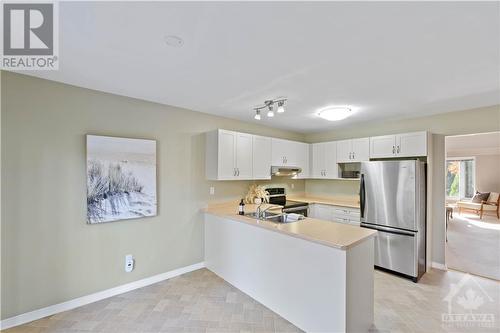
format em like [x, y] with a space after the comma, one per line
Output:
[121, 178]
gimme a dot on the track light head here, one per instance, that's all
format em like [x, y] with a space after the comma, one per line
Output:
[257, 114]
[281, 107]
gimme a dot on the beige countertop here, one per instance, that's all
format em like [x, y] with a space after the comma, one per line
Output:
[351, 202]
[336, 235]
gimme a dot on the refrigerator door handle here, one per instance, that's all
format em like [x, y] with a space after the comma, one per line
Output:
[362, 195]
[388, 230]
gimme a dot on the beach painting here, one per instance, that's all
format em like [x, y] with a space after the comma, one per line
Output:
[121, 178]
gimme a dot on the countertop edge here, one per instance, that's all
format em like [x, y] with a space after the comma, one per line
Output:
[303, 237]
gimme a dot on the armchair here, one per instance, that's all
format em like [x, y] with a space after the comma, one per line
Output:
[491, 205]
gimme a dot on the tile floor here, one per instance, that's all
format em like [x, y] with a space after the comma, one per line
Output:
[202, 302]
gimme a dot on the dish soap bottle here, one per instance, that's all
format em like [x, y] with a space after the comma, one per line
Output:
[241, 209]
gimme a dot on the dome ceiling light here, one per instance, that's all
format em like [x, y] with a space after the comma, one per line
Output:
[335, 113]
[269, 105]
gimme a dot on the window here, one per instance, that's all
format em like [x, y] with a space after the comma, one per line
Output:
[460, 178]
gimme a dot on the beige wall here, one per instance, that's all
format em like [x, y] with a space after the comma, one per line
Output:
[49, 253]
[488, 173]
[480, 120]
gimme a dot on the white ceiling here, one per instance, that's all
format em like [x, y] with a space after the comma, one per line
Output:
[384, 59]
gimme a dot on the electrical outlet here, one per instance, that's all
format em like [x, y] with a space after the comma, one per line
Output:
[212, 190]
[293, 186]
[129, 263]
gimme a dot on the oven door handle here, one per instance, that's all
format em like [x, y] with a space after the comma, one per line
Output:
[288, 210]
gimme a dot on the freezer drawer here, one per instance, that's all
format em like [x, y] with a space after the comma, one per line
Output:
[396, 250]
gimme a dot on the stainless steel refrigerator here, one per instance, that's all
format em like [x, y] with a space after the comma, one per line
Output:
[393, 202]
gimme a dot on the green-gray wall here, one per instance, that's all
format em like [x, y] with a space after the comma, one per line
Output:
[49, 253]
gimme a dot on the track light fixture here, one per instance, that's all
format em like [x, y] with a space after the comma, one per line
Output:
[269, 104]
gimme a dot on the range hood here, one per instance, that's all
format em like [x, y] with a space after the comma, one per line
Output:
[285, 171]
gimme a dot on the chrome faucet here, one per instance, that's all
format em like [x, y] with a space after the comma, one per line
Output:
[260, 212]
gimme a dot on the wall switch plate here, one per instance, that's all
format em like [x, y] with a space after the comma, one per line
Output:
[212, 190]
[129, 263]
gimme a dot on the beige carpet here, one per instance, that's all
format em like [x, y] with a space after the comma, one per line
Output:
[474, 245]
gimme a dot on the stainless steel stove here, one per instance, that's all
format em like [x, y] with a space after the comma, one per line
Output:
[277, 196]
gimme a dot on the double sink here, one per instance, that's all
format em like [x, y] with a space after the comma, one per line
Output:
[276, 218]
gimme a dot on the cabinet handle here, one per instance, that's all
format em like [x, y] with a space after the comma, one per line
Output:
[394, 149]
[237, 171]
[234, 172]
[353, 156]
[398, 150]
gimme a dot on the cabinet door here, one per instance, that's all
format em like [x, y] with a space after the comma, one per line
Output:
[303, 160]
[318, 160]
[227, 158]
[244, 153]
[293, 151]
[331, 166]
[278, 150]
[383, 146]
[323, 212]
[361, 150]
[261, 148]
[412, 144]
[344, 151]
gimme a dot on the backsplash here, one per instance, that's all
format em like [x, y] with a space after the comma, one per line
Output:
[237, 189]
[332, 188]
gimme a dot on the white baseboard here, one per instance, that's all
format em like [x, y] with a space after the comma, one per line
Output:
[440, 266]
[80, 301]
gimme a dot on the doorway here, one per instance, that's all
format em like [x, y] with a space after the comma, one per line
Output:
[472, 199]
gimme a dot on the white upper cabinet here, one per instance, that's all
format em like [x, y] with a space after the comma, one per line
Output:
[244, 155]
[382, 146]
[411, 144]
[303, 160]
[344, 151]
[353, 150]
[324, 160]
[318, 159]
[360, 149]
[399, 145]
[228, 155]
[232, 155]
[261, 157]
[284, 152]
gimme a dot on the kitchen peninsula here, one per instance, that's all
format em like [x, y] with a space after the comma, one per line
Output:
[317, 274]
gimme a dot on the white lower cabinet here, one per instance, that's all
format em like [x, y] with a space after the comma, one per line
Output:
[337, 214]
